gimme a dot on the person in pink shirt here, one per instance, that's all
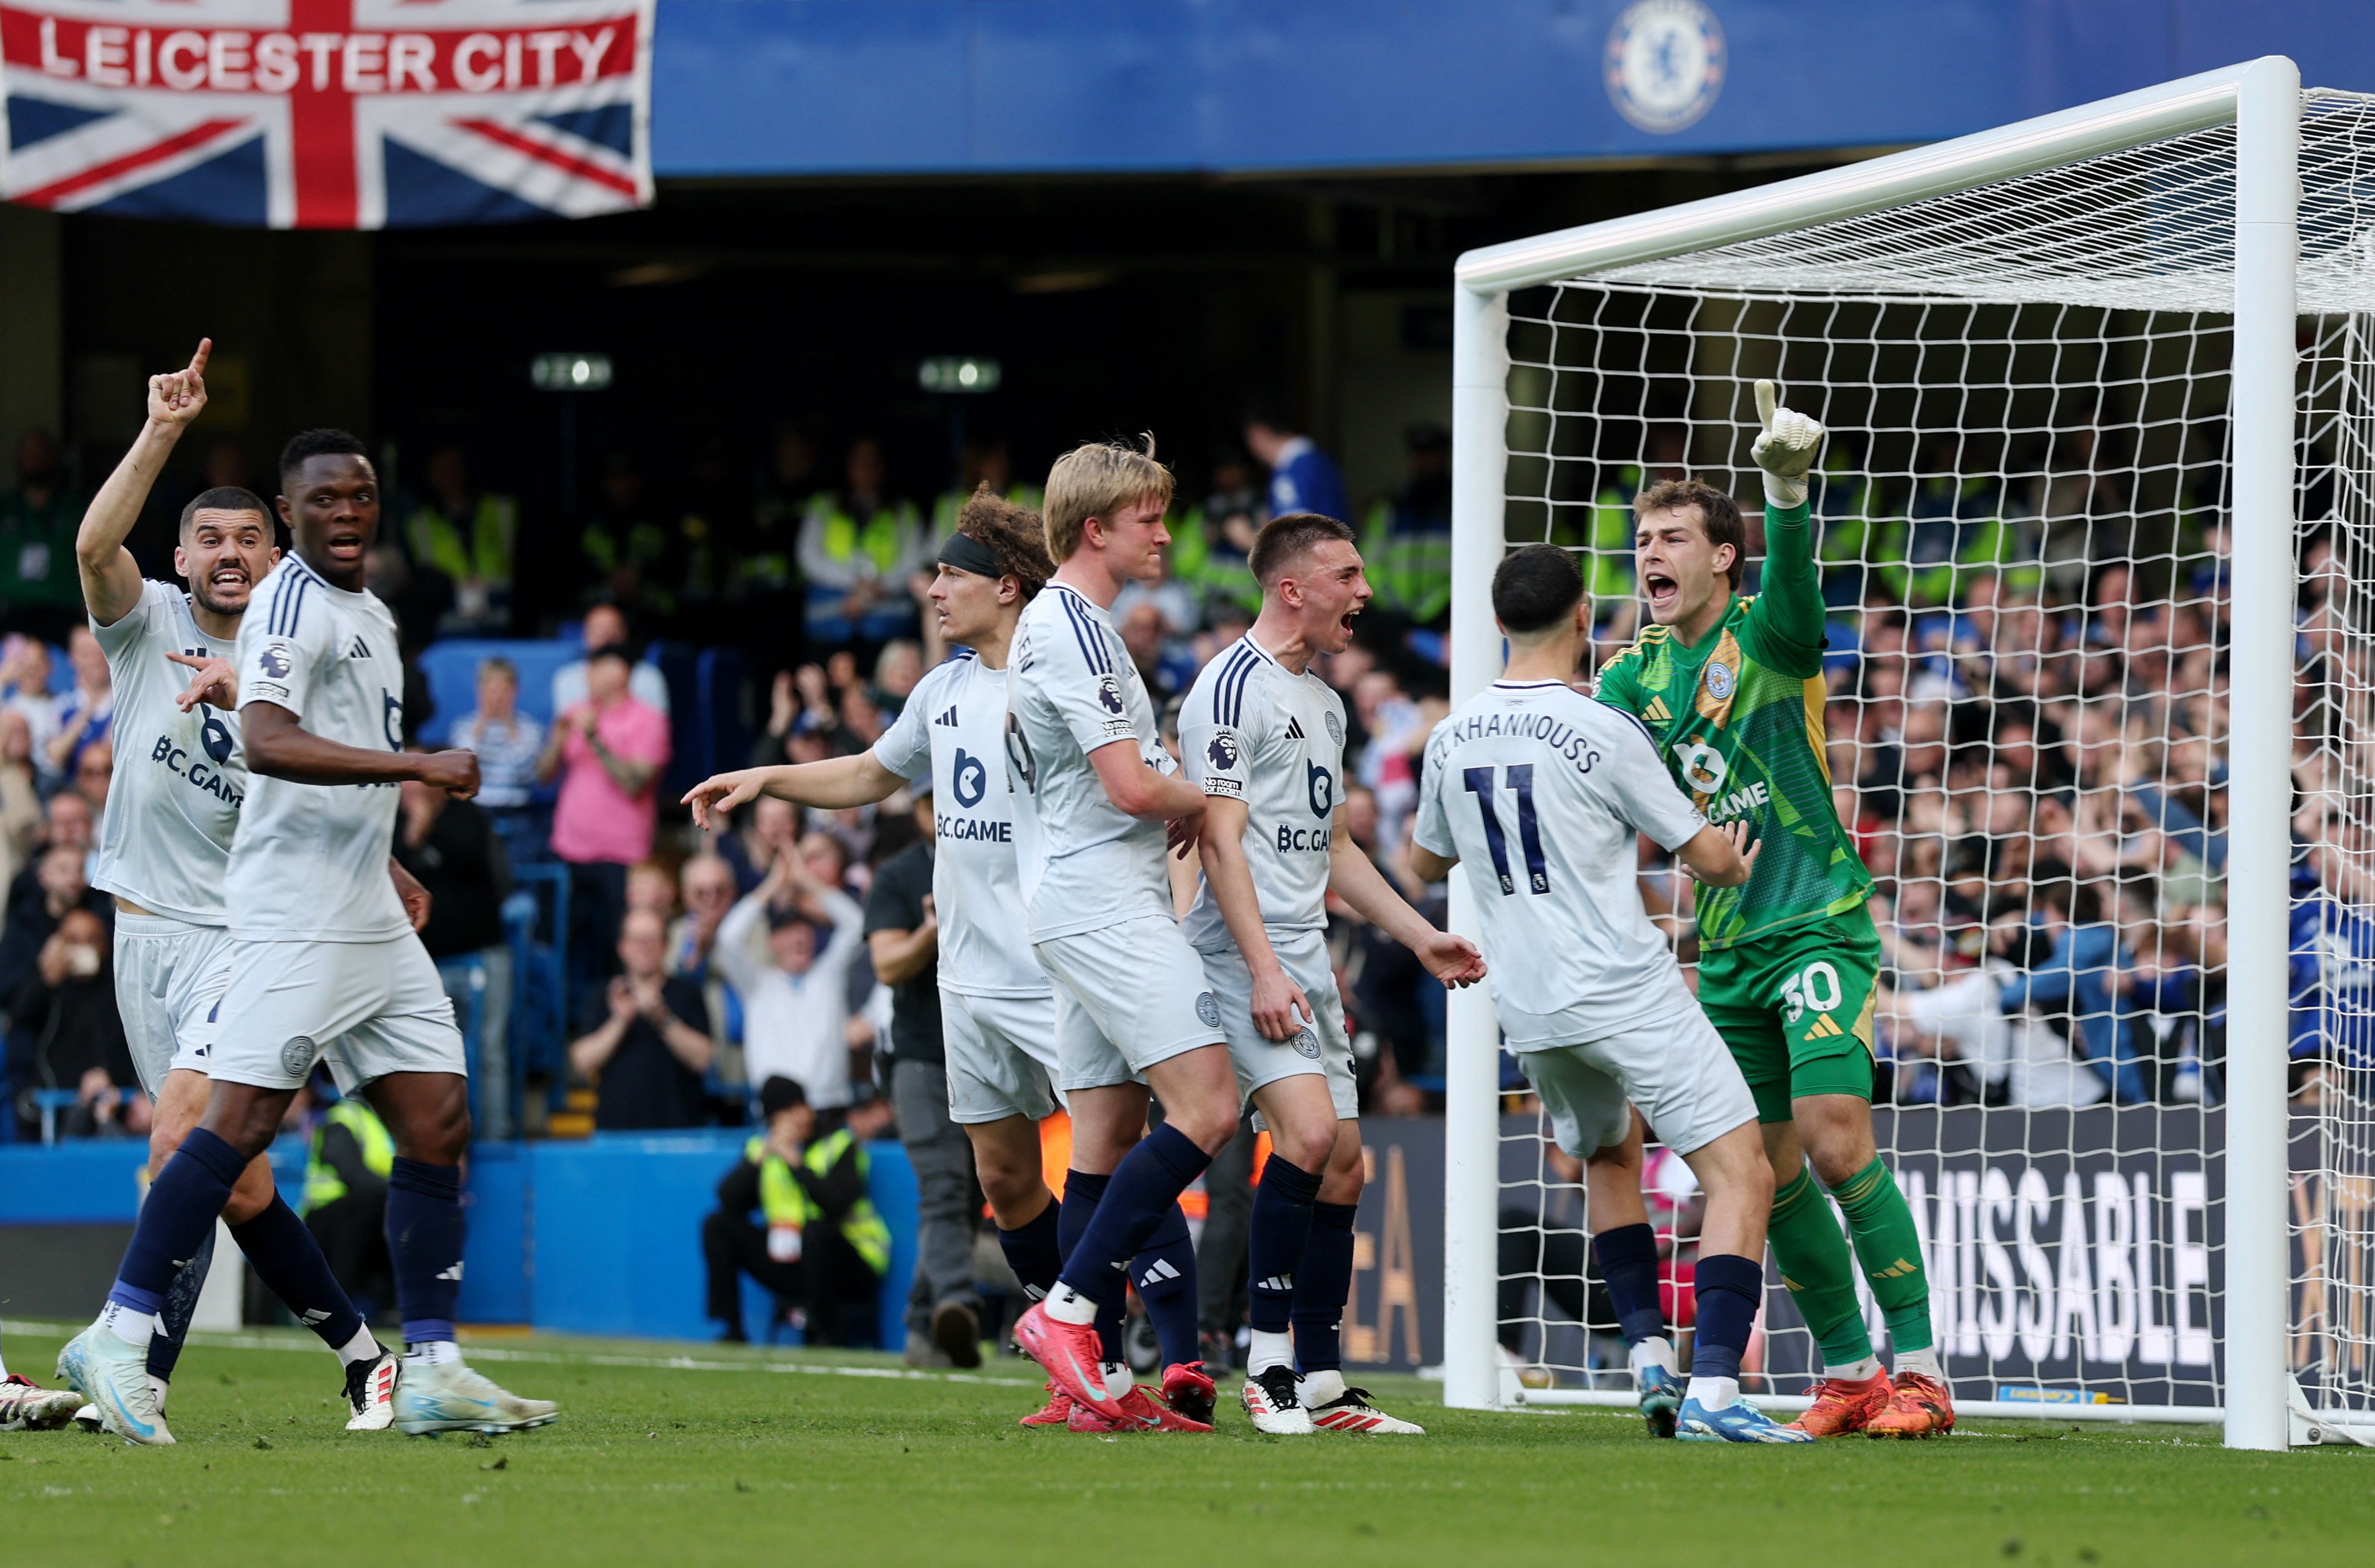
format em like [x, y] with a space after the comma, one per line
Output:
[609, 752]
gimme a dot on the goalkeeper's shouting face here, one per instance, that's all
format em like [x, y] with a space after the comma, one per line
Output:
[1688, 550]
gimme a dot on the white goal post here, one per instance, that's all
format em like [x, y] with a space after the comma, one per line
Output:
[2144, 255]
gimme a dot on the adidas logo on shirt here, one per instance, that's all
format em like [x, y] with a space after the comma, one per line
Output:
[361, 650]
[1657, 710]
[949, 718]
[1293, 728]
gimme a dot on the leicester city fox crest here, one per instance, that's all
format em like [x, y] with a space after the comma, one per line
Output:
[297, 1055]
[1719, 680]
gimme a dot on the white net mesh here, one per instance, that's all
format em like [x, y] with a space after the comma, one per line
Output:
[2022, 528]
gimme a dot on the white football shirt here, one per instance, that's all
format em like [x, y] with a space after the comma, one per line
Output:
[179, 779]
[953, 727]
[1070, 688]
[310, 861]
[1540, 792]
[1254, 730]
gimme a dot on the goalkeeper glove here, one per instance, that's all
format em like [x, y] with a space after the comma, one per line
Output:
[1784, 450]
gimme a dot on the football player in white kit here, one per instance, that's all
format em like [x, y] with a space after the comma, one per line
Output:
[165, 844]
[325, 962]
[1541, 793]
[1093, 791]
[1263, 736]
[998, 1015]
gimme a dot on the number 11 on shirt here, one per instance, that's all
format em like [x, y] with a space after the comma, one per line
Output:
[1518, 778]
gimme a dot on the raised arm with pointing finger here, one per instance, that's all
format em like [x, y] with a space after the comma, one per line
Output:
[111, 579]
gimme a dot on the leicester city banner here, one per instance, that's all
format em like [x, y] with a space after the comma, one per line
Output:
[327, 113]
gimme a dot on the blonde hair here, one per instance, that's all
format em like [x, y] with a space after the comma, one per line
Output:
[1097, 480]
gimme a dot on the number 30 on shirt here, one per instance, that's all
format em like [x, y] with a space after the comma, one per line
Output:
[1816, 986]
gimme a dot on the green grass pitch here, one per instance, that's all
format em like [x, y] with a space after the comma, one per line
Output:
[758, 1458]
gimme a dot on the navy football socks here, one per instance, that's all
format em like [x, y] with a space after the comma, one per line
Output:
[1083, 1193]
[1281, 1225]
[1322, 1286]
[1727, 1287]
[290, 1264]
[1034, 1249]
[1628, 1262]
[176, 1220]
[424, 1241]
[179, 1305]
[1164, 1272]
[1150, 1180]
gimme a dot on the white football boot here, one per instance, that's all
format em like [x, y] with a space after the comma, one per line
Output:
[1336, 1407]
[370, 1390]
[451, 1398]
[26, 1405]
[114, 1376]
[1270, 1399]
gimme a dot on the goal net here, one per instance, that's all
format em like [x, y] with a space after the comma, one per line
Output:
[2029, 517]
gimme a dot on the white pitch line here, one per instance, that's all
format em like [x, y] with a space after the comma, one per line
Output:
[482, 1351]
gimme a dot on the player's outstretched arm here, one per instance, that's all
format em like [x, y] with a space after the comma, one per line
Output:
[1280, 1007]
[833, 785]
[1722, 858]
[1789, 597]
[1354, 878]
[279, 747]
[111, 579]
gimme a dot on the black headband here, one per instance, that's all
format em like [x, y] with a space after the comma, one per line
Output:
[968, 554]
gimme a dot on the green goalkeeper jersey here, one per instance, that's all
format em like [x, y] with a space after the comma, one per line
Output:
[1739, 720]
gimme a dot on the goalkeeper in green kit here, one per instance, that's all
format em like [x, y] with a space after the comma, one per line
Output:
[1732, 690]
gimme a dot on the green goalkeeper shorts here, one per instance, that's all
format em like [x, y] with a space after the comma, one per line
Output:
[1796, 1010]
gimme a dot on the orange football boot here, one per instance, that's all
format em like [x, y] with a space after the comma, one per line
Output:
[1920, 1407]
[1841, 1406]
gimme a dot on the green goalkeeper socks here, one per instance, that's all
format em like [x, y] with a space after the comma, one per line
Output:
[1882, 1224]
[1817, 1269]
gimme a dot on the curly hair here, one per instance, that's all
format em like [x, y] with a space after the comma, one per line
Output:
[1013, 534]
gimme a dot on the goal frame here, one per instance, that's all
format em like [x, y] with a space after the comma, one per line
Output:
[2261, 99]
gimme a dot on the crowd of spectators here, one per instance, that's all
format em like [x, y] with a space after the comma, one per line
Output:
[57, 983]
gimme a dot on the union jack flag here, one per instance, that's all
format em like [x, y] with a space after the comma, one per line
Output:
[327, 113]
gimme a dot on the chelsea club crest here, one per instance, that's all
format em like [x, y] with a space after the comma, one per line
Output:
[1664, 63]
